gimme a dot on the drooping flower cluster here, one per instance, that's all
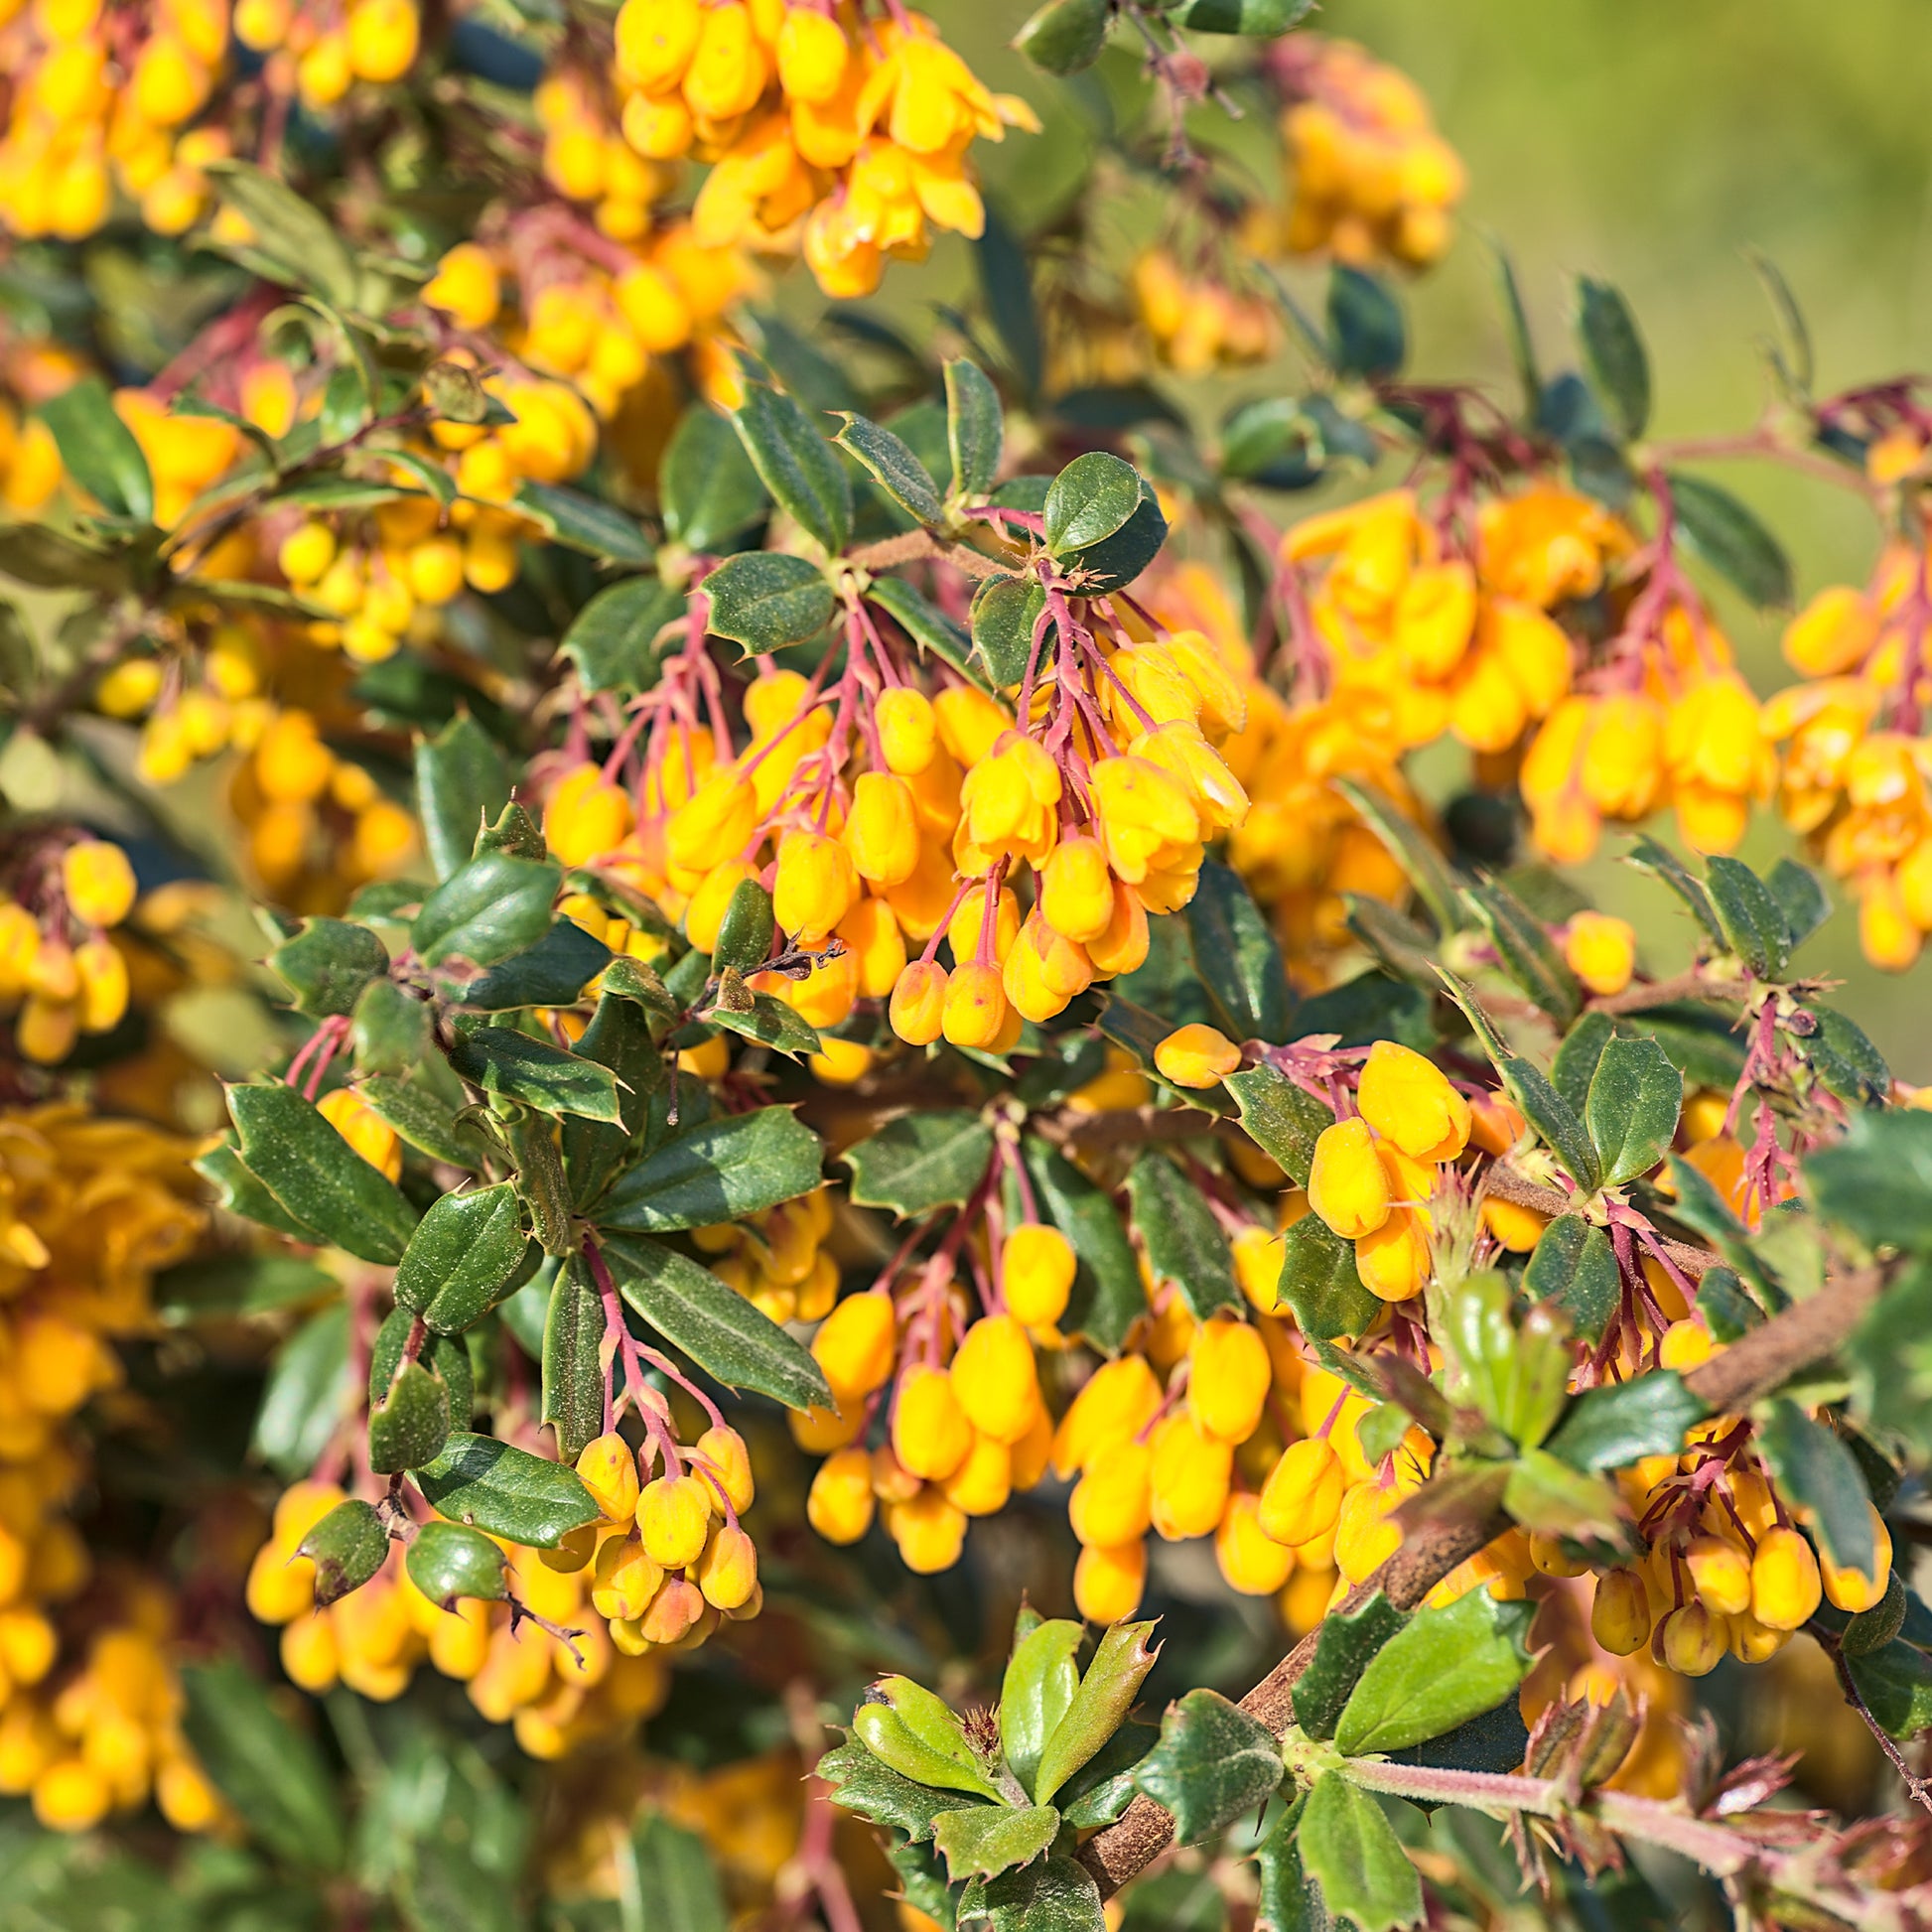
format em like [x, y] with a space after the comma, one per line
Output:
[58, 959]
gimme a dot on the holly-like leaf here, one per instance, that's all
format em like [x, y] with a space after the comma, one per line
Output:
[796, 465]
[926, 624]
[723, 1170]
[982, 1841]
[1005, 611]
[1635, 1096]
[921, 1161]
[1575, 1065]
[447, 1561]
[1348, 1639]
[505, 1491]
[765, 600]
[1237, 955]
[729, 1339]
[410, 1423]
[1107, 1297]
[1750, 916]
[1611, 1427]
[329, 963]
[428, 1122]
[1524, 950]
[318, 1177]
[503, 1061]
[348, 1546]
[1285, 1121]
[772, 1024]
[1553, 1118]
[1287, 1899]
[1351, 1851]
[99, 450]
[893, 466]
[1321, 1284]
[707, 487]
[1574, 1267]
[1613, 353]
[1819, 1477]
[463, 783]
[614, 640]
[1184, 1243]
[1547, 1494]
[495, 905]
[1115, 561]
[1663, 863]
[863, 1784]
[1213, 1763]
[552, 973]
[580, 522]
[1106, 1695]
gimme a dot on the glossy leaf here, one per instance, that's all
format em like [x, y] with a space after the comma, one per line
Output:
[426, 1122]
[863, 1784]
[1106, 1695]
[576, 1375]
[469, 1252]
[1056, 1894]
[1349, 1849]
[447, 1561]
[772, 1024]
[893, 466]
[1238, 956]
[1748, 912]
[1115, 561]
[461, 784]
[1320, 1285]
[1544, 1493]
[1283, 1120]
[1551, 1116]
[99, 450]
[1819, 1477]
[920, 1162]
[1574, 1067]
[765, 600]
[746, 932]
[1635, 1096]
[1103, 1787]
[615, 639]
[505, 1491]
[329, 963]
[1213, 1763]
[1525, 950]
[503, 1061]
[1801, 899]
[552, 973]
[1255, 19]
[1041, 1680]
[1367, 332]
[707, 487]
[723, 1170]
[926, 624]
[1609, 1428]
[495, 905]
[1005, 611]
[583, 523]
[1614, 355]
[410, 1424]
[1065, 35]
[1184, 1243]
[1574, 1267]
[1895, 1682]
[796, 465]
[348, 1546]
[1732, 539]
[1348, 1639]
[1091, 499]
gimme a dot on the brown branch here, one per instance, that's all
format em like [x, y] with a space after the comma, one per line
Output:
[1752, 1366]
[917, 546]
[1696, 984]
[1916, 1787]
[1507, 1185]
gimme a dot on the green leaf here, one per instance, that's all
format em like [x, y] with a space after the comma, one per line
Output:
[505, 1491]
[1546, 1494]
[1524, 950]
[1114, 562]
[552, 973]
[307, 1396]
[503, 1061]
[1055, 1896]
[1574, 1267]
[1003, 613]
[575, 1373]
[1065, 35]
[722, 1170]
[392, 1029]
[863, 1784]
[1289, 1900]
[1842, 1056]
[765, 600]
[268, 1770]
[99, 450]
[921, 1161]
[926, 624]
[427, 1123]
[469, 1252]
[1611, 1427]
[410, 1424]
[447, 1561]
[1889, 1355]
[1347, 1641]
[1350, 1849]
[1574, 1067]
[729, 1338]
[1551, 1116]
[1635, 1096]
[579, 522]
[1255, 19]
[1103, 1787]
[1366, 334]
[614, 640]
[290, 231]
[30, 553]
[1514, 1375]
[1321, 1284]
[1107, 1297]
[243, 1193]
[318, 1177]
[707, 487]
[1819, 1477]
[1237, 955]
[796, 465]
[1106, 1695]
[1041, 1680]
[1895, 1682]
[236, 1286]
[1213, 1763]
[975, 428]
[893, 466]
[1750, 916]
[1425, 867]
[1091, 499]
[1878, 1179]
[1184, 1243]
[1005, 280]
[1663, 863]
[1801, 899]
[746, 932]
[329, 963]
[981, 1841]
[772, 1024]
[1285, 1121]
[348, 1546]
[1732, 539]
[1613, 353]
[495, 905]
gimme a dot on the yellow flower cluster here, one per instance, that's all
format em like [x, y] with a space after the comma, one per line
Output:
[776, 1260]
[1370, 177]
[1196, 322]
[841, 137]
[58, 957]
[89, 1209]
[324, 51]
[554, 1693]
[1855, 759]
[103, 95]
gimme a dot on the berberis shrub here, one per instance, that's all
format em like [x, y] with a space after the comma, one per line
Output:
[885, 948]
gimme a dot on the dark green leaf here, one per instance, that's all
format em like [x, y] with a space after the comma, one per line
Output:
[1320, 1285]
[1107, 1297]
[729, 1338]
[772, 1024]
[1091, 499]
[1366, 334]
[1574, 1267]
[492, 907]
[614, 640]
[1524, 950]
[507, 1492]
[1800, 898]
[1613, 353]
[1895, 1682]
[1065, 35]
[1634, 1100]
[307, 1396]
[1551, 1115]
[1184, 1243]
[1842, 1056]
[921, 1161]
[796, 465]
[291, 231]
[1106, 1695]
[1663, 863]
[765, 600]
[1041, 1680]
[427, 1123]
[1237, 955]
[447, 1561]
[512, 1065]
[722, 1170]
[1255, 19]
[708, 488]
[1349, 1849]
[268, 1770]
[746, 932]
[981, 1841]
[1115, 561]
[1290, 1901]
[893, 467]
[1005, 611]
[575, 1374]
[1055, 1896]
[1213, 1763]
[243, 1193]
[552, 973]
[348, 1546]
[1574, 1067]
[318, 1177]
[670, 1871]
[392, 1029]
[1546, 1494]
[1285, 1121]
[1611, 1427]
[99, 450]
[410, 1424]
[925, 624]
[468, 1251]
[975, 428]
[234, 1287]
[1732, 539]
[1819, 1477]
[1441, 1668]
[1750, 916]
[580, 522]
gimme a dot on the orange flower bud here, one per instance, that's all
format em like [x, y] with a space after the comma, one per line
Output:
[1348, 1187]
[1196, 1056]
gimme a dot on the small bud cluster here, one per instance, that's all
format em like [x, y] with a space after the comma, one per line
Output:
[60, 961]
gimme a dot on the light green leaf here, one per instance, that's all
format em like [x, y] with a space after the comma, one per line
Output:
[981, 1841]
[1350, 1849]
